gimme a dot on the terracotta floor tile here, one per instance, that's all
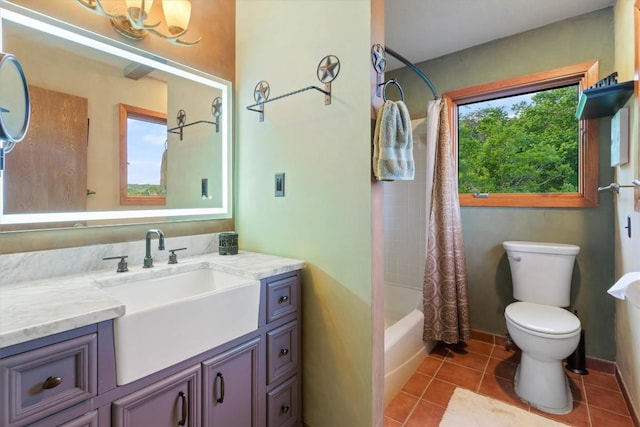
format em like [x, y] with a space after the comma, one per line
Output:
[577, 388]
[430, 366]
[601, 379]
[417, 384]
[611, 400]
[502, 368]
[482, 336]
[501, 389]
[471, 346]
[439, 392]
[598, 401]
[502, 354]
[470, 360]
[460, 375]
[480, 347]
[578, 417]
[604, 418]
[388, 422]
[401, 406]
[426, 414]
[440, 351]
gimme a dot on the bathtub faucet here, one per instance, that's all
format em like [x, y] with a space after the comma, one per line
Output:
[148, 260]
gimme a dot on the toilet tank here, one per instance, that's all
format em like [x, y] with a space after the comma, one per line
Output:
[541, 272]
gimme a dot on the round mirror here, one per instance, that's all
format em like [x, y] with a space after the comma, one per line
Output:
[14, 102]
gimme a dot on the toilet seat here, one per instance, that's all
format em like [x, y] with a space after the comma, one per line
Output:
[542, 320]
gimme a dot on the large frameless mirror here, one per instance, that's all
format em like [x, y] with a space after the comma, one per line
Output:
[68, 170]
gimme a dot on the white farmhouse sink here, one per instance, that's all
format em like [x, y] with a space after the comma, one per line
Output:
[174, 314]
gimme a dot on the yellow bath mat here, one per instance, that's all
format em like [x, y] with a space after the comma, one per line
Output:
[473, 410]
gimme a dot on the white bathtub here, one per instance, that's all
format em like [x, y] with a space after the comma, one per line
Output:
[404, 349]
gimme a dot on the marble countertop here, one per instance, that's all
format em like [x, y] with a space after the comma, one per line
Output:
[35, 309]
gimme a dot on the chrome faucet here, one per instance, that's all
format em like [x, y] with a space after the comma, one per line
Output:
[148, 260]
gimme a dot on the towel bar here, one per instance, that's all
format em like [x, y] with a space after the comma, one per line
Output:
[181, 118]
[614, 186]
[395, 83]
[327, 71]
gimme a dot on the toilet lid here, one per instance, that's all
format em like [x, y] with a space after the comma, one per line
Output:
[542, 318]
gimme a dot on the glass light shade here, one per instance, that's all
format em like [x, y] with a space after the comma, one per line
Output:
[138, 3]
[177, 14]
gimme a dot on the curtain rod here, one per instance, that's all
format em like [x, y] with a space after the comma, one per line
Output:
[413, 68]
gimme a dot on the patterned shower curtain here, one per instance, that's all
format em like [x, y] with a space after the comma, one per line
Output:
[446, 304]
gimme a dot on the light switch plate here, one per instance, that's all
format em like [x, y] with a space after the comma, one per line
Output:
[279, 185]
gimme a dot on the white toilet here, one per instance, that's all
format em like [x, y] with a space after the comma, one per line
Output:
[545, 333]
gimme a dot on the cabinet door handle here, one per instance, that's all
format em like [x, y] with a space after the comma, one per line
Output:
[221, 398]
[283, 299]
[284, 352]
[51, 382]
[284, 409]
[183, 419]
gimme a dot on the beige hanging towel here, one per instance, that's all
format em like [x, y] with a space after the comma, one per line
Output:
[393, 143]
[163, 171]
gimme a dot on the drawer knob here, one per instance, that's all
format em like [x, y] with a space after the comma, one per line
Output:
[284, 409]
[283, 299]
[284, 352]
[51, 382]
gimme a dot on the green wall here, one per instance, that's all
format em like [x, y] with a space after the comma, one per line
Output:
[325, 216]
[584, 38]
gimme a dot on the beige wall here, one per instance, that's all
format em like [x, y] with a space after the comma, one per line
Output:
[627, 249]
[325, 216]
[212, 20]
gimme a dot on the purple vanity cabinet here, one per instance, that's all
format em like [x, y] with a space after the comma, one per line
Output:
[230, 381]
[69, 379]
[45, 380]
[251, 381]
[283, 404]
[173, 401]
[89, 419]
[283, 368]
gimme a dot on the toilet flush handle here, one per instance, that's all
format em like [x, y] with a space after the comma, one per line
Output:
[515, 258]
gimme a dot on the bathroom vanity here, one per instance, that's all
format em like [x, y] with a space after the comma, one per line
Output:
[54, 374]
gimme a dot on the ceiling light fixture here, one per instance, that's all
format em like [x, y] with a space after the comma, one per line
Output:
[133, 22]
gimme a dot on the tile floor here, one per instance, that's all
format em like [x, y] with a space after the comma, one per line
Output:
[488, 369]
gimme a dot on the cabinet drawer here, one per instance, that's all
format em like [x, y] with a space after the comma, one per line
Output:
[167, 403]
[283, 407]
[230, 381]
[89, 419]
[41, 382]
[282, 298]
[282, 352]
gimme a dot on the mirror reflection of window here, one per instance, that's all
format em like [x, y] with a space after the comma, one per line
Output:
[143, 156]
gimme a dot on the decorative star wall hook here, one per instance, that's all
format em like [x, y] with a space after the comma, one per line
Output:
[328, 68]
[378, 58]
[261, 92]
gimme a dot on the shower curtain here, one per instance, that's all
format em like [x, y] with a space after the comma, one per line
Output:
[446, 304]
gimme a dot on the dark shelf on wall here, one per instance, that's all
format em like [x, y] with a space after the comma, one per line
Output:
[603, 101]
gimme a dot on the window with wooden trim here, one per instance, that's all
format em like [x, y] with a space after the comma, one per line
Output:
[519, 144]
[143, 146]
